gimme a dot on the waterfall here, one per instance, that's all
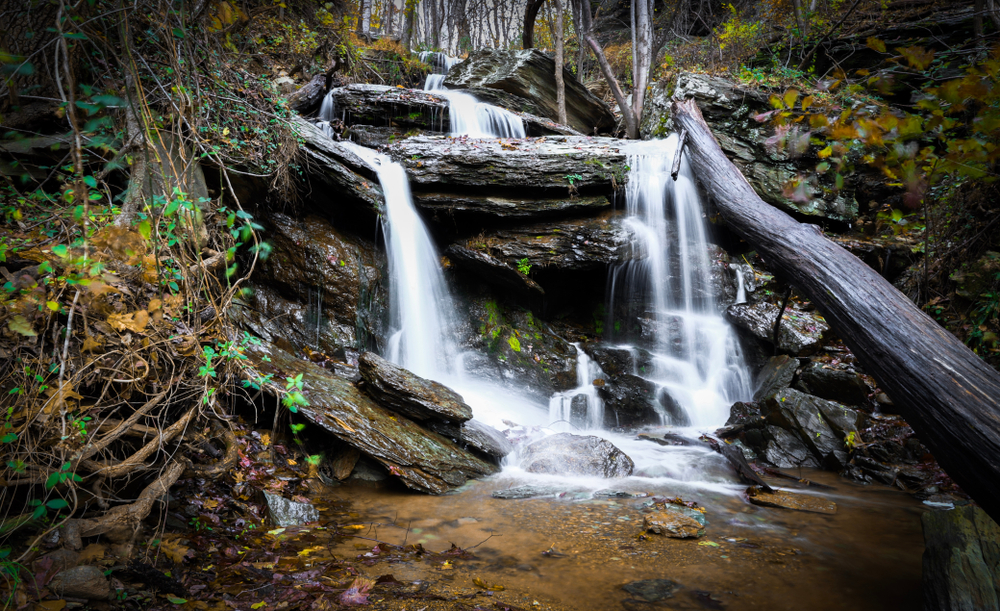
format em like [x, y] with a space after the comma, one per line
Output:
[741, 289]
[582, 407]
[468, 116]
[420, 305]
[697, 365]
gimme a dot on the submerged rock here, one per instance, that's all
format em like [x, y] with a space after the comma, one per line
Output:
[527, 491]
[783, 499]
[566, 454]
[961, 560]
[423, 460]
[652, 590]
[800, 332]
[284, 512]
[529, 74]
[675, 521]
[407, 393]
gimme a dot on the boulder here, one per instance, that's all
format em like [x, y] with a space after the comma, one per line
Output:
[566, 454]
[409, 394]
[528, 491]
[834, 384]
[557, 165]
[84, 581]
[785, 450]
[961, 560]
[820, 424]
[493, 270]
[285, 512]
[776, 375]
[423, 460]
[320, 288]
[529, 74]
[475, 435]
[800, 332]
[746, 414]
[650, 591]
[676, 522]
[729, 109]
[616, 360]
[629, 402]
[783, 499]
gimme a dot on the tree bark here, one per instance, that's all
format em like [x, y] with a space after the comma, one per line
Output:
[560, 84]
[947, 393]
[530, 14]
[406, 36]
[643, 37]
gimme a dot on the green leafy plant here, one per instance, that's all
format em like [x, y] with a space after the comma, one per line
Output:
[524, 266]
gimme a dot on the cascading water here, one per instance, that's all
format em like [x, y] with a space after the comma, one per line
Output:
[468, 116]
[420, 304]
[696, 363]
[581, 407]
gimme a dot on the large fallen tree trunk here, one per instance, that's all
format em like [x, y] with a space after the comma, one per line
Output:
[946, 392]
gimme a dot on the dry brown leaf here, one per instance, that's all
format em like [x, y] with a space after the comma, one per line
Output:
[60, 396]
[93, 343]
[174, 550]
[133, 321]
[51, 605]
[92, 553]
[98, 288]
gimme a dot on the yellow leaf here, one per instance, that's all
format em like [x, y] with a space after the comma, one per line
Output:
[51, 605]
[825, 152]
[789, 98]
[486, 586]
[265, 439]
[807, 102]
[292, 462]
[174, 550]
[133, 321]
[262, 603]
[343, 425]
[211, 504]
[875, 44]
[225, 132]
[52, 305]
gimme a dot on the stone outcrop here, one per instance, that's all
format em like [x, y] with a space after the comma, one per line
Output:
[529, 74]
[800, 333]
[409, 394]
[820, 425]
[961, 560]
[566, 454]
[493, 270]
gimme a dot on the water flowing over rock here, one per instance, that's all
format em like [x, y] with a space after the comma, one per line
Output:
[423, 460]
[961, 560]
[800, 333]
[308, 97]
[529, 74]
[566, 454]
[409, 394]
[729, 109]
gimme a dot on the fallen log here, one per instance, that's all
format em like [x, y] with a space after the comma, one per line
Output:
[947, 394]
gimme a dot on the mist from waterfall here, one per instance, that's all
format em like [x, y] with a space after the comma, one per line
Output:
[697, 363]
[467, 115]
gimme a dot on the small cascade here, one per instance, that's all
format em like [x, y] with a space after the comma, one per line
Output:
[741, 289]
[468, 116]
[582, 408]
[696, 363]
[420, 306]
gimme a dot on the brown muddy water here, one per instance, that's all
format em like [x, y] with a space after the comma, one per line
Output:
[867, 556]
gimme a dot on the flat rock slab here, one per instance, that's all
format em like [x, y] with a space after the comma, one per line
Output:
[423, 460]
[493, 270]
[476, 435]
[338, 168]
[558, 163]
[791, 500]
[285, 512]
[675, 522]
[566, 454]
[652, 590]
[525, 492]
[409, 394]
[462, 206]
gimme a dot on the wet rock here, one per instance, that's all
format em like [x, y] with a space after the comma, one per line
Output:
[734, 454]
[676, 415]
[423, 460]
[375, 137]
[566, 454]
[436, 163]
[493, 270]
[668, 439]
[525, 492]
[528, 74]
[320, 288]
[655, 121]
[476, 435]
[465, 208]
[615, 360]
[834, 384]
[785, 450]
[332, 168]
[368, 472]
[961, 562]
[407, 393]
[307, 98]
[585, 244]
[800, 333]
[866, 469]
[284, 512]
[652, 590]
[608, 493]
[742, 413]
[777, 374]
[729, 110]
[791, 500]
[676, 522]
[821, 425]
[342, 463]
[85, 581]
[628, 402]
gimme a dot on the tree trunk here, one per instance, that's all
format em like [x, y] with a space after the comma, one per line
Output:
[530, 14]
[642, 50]
[363, 19]
[560, 85]
[406, 36]
[631, 124]
[800, 18]
[947, 393]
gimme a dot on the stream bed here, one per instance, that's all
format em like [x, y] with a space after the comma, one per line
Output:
[574, 549]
